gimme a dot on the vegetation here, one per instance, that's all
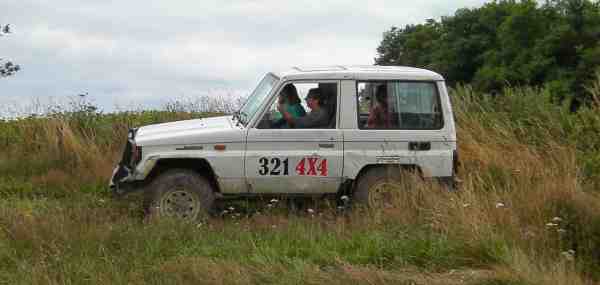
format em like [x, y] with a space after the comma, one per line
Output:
[519, 43]
[526, 212]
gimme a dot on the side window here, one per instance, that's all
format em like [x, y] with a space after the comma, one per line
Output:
[307, 104]
[399, 105]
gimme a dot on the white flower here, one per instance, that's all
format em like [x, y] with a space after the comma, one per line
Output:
[231, 208]
[556, 219]
[274, 201]
[310, 211]
[551, 225]
[569, 254]
[344, 198]
[499, 205]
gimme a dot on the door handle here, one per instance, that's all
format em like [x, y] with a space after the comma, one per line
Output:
[419, 146]
[326, 145]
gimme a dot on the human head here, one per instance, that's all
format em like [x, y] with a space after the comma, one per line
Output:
[290, 94]
[313, 98]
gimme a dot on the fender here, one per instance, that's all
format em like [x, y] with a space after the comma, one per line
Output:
[221, 167]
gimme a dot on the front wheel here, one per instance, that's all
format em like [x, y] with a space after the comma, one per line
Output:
[180, 194]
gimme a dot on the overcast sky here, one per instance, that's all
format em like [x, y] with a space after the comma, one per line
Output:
[144, 53]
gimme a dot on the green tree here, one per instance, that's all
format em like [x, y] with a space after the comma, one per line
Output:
[506, 42]
[8, 68]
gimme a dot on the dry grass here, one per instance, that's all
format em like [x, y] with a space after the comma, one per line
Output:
[524, 203]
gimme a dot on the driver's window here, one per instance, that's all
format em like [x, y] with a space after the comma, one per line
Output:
[293, 99]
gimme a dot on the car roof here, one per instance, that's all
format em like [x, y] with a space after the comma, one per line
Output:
[360, 72]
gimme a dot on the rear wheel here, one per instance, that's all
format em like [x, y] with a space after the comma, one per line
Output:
[378, 186]
[181, 194]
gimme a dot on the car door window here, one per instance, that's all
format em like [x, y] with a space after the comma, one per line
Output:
[399, 105]
[295, 99]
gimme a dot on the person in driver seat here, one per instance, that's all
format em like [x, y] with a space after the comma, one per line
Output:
[317, 118]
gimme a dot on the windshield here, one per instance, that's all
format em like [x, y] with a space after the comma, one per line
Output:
[257, 97]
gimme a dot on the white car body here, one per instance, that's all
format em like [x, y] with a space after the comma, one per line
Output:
[238, 155]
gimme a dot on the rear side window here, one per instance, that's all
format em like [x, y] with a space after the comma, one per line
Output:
[399, 105]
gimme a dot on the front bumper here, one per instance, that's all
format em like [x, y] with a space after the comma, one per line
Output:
[119, 183]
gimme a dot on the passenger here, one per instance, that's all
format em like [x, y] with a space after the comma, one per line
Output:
[288, 97]
[317, 118]
[379, 115]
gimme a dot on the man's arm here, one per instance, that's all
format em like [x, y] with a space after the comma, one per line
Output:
[314, 119]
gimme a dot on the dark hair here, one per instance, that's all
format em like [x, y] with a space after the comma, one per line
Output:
[381, 95]
[314, 93]
[291, 94]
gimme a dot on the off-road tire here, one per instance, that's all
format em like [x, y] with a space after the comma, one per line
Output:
[179, 193]
[370, 180]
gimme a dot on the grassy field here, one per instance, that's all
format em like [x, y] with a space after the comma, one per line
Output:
[528, 210]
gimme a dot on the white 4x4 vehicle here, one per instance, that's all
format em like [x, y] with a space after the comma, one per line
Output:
[367, 121]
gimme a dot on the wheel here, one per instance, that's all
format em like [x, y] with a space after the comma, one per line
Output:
[378, 186]
[180, 193]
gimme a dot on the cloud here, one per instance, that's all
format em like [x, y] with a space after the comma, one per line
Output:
[148, 51]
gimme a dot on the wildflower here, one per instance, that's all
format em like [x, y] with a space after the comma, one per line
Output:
[551, 225]
[310, 211]
[556, 219]
[344, 198]
[274, 201]
[569, 254]
[231, 208]
[500, 205]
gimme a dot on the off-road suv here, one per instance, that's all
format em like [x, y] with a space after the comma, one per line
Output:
[378, 118]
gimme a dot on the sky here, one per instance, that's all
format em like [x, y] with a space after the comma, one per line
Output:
[142, 54]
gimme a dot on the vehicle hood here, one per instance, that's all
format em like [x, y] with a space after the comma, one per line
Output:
[214, 129]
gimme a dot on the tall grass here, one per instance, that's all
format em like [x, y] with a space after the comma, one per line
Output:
[526, 212]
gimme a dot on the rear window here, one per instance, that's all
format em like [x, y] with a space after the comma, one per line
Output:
[399, 105]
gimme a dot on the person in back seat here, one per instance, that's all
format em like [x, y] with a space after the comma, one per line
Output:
[379, 115]
[317, 118]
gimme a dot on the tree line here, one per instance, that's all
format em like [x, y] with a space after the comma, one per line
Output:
[555, 44]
